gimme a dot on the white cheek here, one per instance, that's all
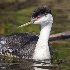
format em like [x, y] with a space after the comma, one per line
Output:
[36, 22]
[45, 20]
[40, 21]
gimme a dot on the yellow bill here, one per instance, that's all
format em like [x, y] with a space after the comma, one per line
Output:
[28, 23]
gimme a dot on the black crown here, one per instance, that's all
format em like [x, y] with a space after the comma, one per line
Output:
[40, 11]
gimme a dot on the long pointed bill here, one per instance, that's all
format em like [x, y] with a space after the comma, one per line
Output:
[28, 23]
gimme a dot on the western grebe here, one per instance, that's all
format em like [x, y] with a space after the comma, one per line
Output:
[42, 16]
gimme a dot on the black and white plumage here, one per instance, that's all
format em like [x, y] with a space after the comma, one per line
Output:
[20, 41]
[25, 43]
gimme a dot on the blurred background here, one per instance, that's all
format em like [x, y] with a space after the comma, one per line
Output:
[16, 12]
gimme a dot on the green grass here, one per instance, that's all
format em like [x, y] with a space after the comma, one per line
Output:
[26, 15]
[61, 51]
[26, 10]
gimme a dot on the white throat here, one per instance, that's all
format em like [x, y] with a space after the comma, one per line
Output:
[42, 49]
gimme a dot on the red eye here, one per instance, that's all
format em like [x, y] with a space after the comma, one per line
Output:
[37, 17]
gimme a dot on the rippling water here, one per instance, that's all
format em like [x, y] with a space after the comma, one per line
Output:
[28, 65]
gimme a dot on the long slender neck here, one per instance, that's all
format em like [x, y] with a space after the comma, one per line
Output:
[42, 49]
[44, 34]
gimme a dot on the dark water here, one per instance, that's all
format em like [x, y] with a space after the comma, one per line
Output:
[30, 65]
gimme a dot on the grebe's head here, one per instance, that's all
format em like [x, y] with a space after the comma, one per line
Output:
[42, 15]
